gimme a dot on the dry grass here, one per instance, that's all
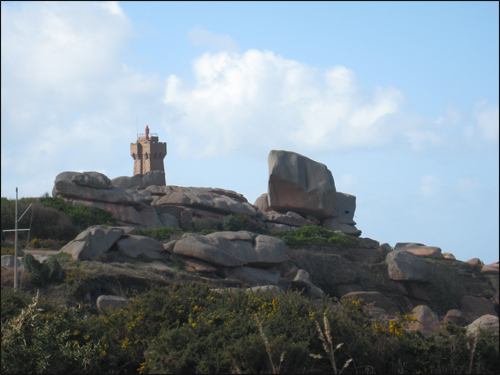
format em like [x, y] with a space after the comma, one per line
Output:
[23, 279]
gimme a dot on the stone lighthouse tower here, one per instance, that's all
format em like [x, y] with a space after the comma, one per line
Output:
[148, 153]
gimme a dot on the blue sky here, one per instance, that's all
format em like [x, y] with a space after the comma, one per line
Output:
[398, 99]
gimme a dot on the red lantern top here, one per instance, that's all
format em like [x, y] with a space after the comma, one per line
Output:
[147, 132]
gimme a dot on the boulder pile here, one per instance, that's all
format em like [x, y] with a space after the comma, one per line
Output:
[303, 186]
[301, 192]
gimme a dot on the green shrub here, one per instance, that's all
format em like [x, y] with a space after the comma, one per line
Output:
[45, 222]
[191, 329]
[9, 251]
[235, 223]
[39, 272]
[207, 224]
[42, 273]
[36, 342]
[177, 264]
[314, 235]
[55, 272]
[13, 302]
[159, 234]
[82, 216]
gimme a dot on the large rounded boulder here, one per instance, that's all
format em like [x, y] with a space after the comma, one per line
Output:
[299, 184]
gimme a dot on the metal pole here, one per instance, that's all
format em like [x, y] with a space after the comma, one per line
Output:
[15, 250]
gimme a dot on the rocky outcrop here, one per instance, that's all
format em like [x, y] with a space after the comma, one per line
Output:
[262, 203]
[93, 189]
[427, 320]
[404, 266]
[137, 216]
[475, 261]
[252, 275]
[152, 178]
[456, 317]
[414, 291]
[117, 302]
[197, 265]
[369, 242]
[304, 278]
[377, 298]
[245, 256]
[143, 201]
[169, 220]
[386, 248]
[291, 219]
[133, 246]
[218, 200]
[490, 269]
[85, 186]
[8, 261]
[299, 184]
[301, 192]
[420, 250]
[484, 322]
[91, 179]
[343, 215]
[233, 249]
[93, 241]
[405, 245]
[98, 240]
[475, 307]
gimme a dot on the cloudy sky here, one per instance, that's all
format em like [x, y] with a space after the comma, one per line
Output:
[399, 100]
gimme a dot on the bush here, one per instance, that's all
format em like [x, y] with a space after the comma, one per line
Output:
[42, 273]
[207, 224]
[13, 302]
[81, 216]
[9, 251]
[314, 235]
[159, 234]
[47, 343]
[45, 222]
[191, 329]
[39, 272]
[235, 223]
[38, 243]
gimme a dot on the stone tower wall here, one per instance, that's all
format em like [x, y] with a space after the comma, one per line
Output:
[148, 155]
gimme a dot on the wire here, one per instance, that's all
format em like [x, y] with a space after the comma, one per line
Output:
[29, 232]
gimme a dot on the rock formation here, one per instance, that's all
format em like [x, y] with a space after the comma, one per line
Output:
[299, 184]
[301, 192]
[303, 186]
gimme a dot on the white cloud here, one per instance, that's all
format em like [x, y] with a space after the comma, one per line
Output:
[487, 117]
[200, 36]
[452, 117]
[113, 7]
[422, 139]
[66, 96]
[259, 100]
[430, 186]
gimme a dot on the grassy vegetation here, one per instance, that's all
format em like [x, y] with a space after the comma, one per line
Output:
[176, 324]
[187, 328]
[317, 236]
[50, 219]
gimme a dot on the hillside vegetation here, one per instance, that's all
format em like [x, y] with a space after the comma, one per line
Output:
[176, 322]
